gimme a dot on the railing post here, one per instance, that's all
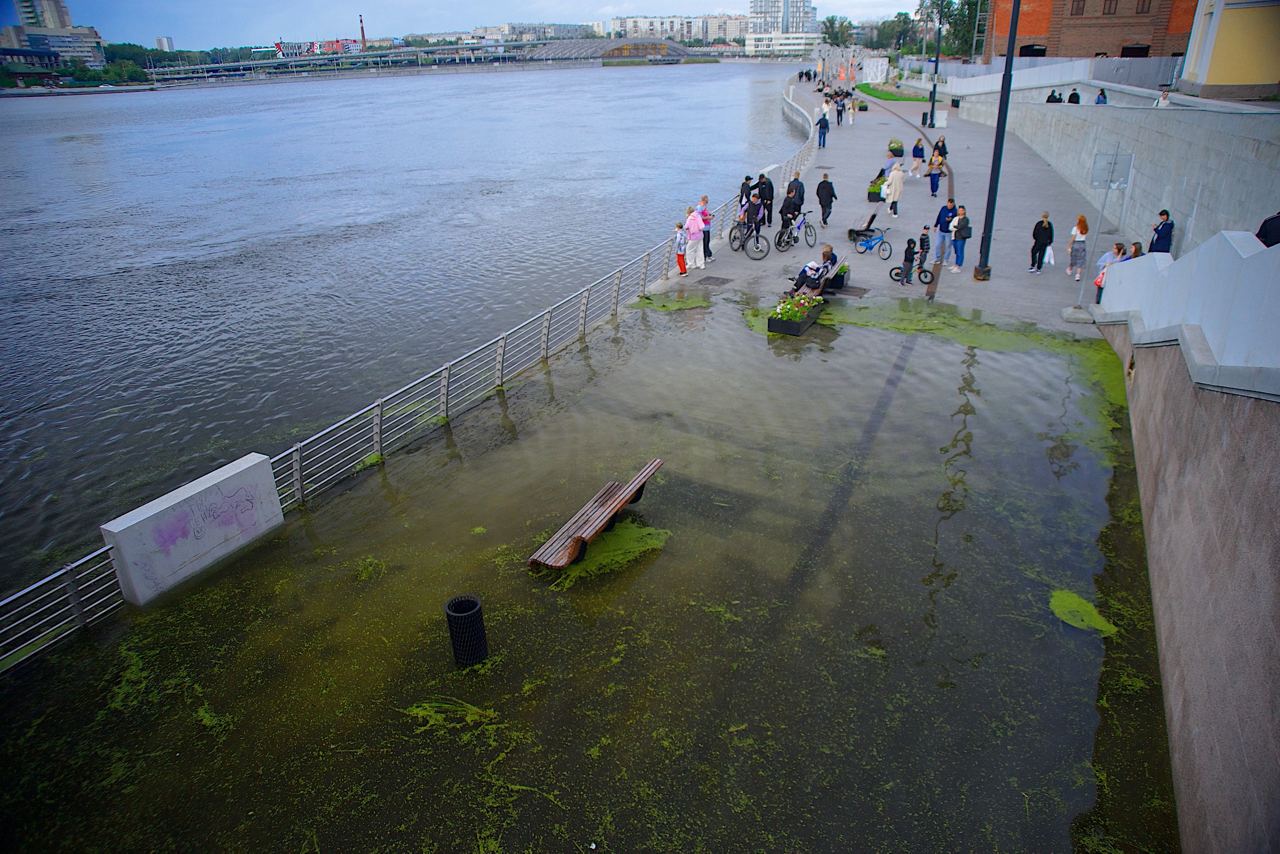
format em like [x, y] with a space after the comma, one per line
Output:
[582, 313]
[666, 260]
[546, 335]
[73, 596]
[296, 464]
[644, 274]
[724, 214]
[377, 428]
[502, 359]
[617, 292]
[444, 392]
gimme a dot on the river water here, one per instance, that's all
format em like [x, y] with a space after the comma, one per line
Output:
[188, 276]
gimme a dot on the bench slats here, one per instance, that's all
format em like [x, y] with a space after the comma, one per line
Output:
[569, 543]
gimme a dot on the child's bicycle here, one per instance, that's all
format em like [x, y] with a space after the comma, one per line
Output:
[874, 239]
[788, 237]
[756, 245]
[922, 273]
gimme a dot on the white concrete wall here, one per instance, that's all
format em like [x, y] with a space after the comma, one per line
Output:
[166, 541]
[1212, 170]
[1221, 302]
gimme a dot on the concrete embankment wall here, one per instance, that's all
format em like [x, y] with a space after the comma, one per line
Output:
[1203, 378]
[1213, 171]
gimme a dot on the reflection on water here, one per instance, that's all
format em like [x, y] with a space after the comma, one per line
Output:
[764, 681]
[190, 276]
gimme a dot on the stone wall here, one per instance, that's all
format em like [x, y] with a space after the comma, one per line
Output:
[1209, 476]
[1213, 170]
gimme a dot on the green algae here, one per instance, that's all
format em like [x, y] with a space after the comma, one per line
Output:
[368, 568]
[613, 550]
[371, 461]
[672, 302]
[479, 531]
[1077, 611]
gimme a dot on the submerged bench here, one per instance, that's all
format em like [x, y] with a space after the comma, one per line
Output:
[569, 544]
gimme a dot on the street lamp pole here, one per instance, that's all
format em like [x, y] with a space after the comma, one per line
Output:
[982, 272]
[937, 56]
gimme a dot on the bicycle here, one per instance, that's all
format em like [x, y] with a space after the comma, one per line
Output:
[924, 275]
[756, 245]
[788, 237]
[876, 240]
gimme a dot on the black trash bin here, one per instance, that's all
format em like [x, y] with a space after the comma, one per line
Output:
[466, 630]
[924, 119]
[955, 103]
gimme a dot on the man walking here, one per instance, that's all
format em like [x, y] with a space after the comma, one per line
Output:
[798, 186]
[823, 126]
[1162, 234]
[826, 196]
[765, 188]
[943, 225]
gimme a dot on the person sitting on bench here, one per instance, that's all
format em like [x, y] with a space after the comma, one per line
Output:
[815, 273]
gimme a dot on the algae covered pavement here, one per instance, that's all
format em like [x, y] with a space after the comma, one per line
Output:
[829, 625]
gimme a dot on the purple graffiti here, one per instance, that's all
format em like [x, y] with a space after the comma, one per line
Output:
[170, 532]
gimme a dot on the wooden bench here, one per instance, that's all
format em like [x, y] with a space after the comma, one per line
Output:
[569, 544]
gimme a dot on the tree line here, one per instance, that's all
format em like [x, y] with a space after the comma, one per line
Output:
[908, 33]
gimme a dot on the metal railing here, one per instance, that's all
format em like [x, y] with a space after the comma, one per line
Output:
[82, 592]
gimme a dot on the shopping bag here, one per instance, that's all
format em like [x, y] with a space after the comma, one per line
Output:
[1098, 282]
[1048, 256]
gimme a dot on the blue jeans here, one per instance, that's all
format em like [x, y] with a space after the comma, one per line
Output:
[934, 178]
[822, 138]
[959, 247]
[944, 241]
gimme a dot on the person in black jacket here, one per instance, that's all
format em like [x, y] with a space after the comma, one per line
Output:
[798, 186]
[826, 196]
[765, 188]
[744, 192]
[790, 209]
[940, 147]
[1041, 239]
[1074, 97]
[1268, 232]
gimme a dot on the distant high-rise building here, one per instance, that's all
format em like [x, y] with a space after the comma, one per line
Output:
[164, 43]
[783, 16]
[43, 13]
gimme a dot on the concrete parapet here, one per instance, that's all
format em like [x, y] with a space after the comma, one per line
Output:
[1209, 477]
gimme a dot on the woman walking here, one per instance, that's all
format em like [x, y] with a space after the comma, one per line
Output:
[917, 158]
[1079, 234]
[940, 147]
[693, 229]
[893, 187]
[937, 168]
[1041, 239]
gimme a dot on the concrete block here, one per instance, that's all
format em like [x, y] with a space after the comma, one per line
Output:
[166, 541]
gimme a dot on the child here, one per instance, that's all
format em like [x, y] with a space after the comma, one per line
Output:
[682, 243]
[908, 262]
[922, 247]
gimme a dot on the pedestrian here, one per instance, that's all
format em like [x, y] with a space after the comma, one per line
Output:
[682, 243]
[943, 224]
[893, 185]
[1163, 100]
[798, 186]
[823, 126]
[1053, 97]
[940, 147]
[765, 187]
[1112, 256]
[1162, 234]
[693, 231]
[937, 169]
[1079, 234]
[826, 109]
[961, 231]
[704, 210]
[1041, 239]
[1074, 97]
[917, 158]
[1135, 251]
[826, 196]
[908, 261]
[1102, 97]
[922, 247]
[1269, 231]
[839, 110]
[744, 192]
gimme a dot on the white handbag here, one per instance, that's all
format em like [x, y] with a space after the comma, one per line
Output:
[1048, 256]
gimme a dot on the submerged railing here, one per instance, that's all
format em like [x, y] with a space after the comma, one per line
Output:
[41, 615]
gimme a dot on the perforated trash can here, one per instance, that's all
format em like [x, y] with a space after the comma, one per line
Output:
[466, 630]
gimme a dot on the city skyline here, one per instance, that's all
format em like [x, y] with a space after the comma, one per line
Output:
[197, 25]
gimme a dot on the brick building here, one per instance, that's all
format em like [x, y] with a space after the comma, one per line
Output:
[1093, 27]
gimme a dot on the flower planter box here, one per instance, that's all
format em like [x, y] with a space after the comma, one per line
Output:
[795, 327]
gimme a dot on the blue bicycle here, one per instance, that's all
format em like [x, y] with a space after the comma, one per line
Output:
[873, 239]
[788, 237]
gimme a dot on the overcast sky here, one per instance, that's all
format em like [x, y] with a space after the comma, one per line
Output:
[197, 24]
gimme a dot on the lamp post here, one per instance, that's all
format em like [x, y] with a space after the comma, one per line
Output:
[982, 272]
[937, 56]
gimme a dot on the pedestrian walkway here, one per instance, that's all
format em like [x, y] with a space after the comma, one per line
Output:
[852, 156]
